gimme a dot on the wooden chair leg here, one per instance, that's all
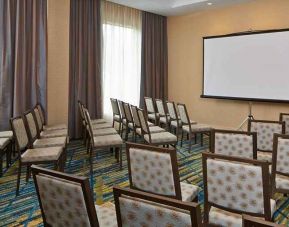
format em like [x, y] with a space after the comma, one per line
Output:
[182, 138]
[195, 135]
[120, 158]
[202, 139]
[1, 163]
[27, 173]
[190, 141]
[18, 178]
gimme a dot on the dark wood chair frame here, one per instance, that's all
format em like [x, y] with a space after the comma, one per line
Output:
[174, 162]
[8, 151]
[83, 181]
[165, 114]
[58, 164]
[123, 117]
[282, 123]
[281, 119]
[83, 126]
[176, 118]
[193, 208]
[265, 179]
[137, 123]
[156, 121]
[249, 221]
[252, 134]
[206, 132]
[274, 164]
[129, 119]
[43, 113]
[115, 114]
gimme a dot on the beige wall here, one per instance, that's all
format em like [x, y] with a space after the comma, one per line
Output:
[58, 61]
[185, 58]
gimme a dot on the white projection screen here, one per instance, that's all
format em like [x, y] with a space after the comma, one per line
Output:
[251, 66]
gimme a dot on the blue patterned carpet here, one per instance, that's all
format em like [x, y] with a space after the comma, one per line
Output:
[23, 210]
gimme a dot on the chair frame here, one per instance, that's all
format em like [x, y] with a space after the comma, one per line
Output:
[122, 116]
[129, 119]
[165, 115]
[178, 128]
[58, 164]
[265, 179]
[253, 134]
[274, 164]
[192, 207]
[83, 181]
[156, 121]
[114, 114]
[8, 151]
[282, 123]
[174, 162]
[249, 221]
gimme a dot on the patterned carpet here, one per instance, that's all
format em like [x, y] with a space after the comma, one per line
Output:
[23, 210]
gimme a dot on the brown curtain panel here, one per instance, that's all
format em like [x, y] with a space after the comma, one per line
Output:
[85, 61]
[23, 45]
[154, 68]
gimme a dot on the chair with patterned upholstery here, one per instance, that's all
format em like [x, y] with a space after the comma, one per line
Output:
[265, 133]
[35, 140]
[249, 221]
[135, 208]
[159, 138]
[48, 127]
[285, 117]
[67, 200]
[27, 157]
[280, 164]
[130, 126]
[150, 110]
[164, 117]
[191, 128]
[123, 117]
[9, 135]
[155, 170]
[5, 148]
[103, 141]
[234, 186]
[234, 143]
[116, 113]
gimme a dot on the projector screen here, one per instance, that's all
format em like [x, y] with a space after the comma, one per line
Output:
[251, 66]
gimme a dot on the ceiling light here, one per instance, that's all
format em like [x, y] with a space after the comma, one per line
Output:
[209, 3]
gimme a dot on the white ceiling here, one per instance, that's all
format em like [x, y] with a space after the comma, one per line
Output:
[176, 7]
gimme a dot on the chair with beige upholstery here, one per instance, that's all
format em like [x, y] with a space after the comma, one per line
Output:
[116, 113]
[48, 127]
[150, 110]
[103, 141]
[234, 186]
[123, 117]
[164, 117]
[155, 170]
[129, 123]
[285, 117]
[67, 200]
[159, 138]
[265, 133]
[5, 148]
[134, 208]
[35, 140]
[191, 128]
[249, 221]
[280, 164]
[27, 156]
[234, 143]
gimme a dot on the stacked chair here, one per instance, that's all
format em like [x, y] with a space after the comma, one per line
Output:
[116, 113]
[150, 110]
[164, 117]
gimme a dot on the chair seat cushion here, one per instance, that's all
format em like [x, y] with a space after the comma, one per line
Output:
[54, 127]
[150, 124]
[104, 131]
[152, 116]
[161, 137]
[4, 142]
[42, 154]
[264, 156]
[98, 121]
[101, 125]
[116, 118]
[189, 192]
[107, 140]
[106, 215]
[197, 128]
[174, 123]
[164, 120]
[54, 133]
[226, 218]
[282, 182]
[153, 129]
[50, 142]
[6, 134]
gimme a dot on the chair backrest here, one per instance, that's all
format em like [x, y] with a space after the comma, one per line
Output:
[153, 169]
[234, 143]
[249, 221]
[172, 110]
[41, 113]
[265, 131]
[183, 114]
[145, 209]
[149, 105]
[115, 107]
[31, 126]
[236, 184]
[120, 104]
[280, 160]
[143, 122]
[285, 117]
[160, 107]
[20, 133]
[38, 118]
[89, 124]
[127, 112]
[80, 107]
[65, 200]
[135, 116]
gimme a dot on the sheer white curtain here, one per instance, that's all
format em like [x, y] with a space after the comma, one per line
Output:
[121, 50]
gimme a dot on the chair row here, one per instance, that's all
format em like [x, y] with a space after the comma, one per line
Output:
[233, 189]
[38, 143]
